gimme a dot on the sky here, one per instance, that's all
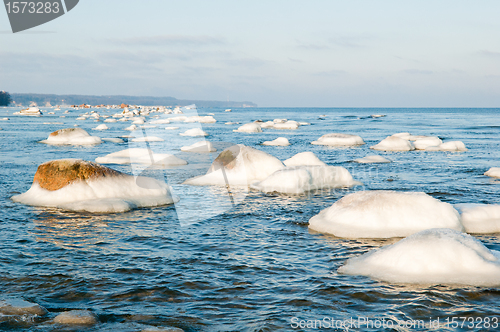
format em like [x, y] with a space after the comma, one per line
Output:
[275, 53]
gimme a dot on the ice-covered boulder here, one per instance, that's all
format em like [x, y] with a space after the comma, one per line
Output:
[268, 124]
[301, 179]
[110, 120]
[101, 127]
[71, 136]
[453, 146]
[201, 119]
[171, 128]
[372, 159]
[423, 143]
[336, 139]
[493, 172]
[199, 147]
[240, 165]
[304, 159]
[78, 185]
[280, 141]
[249, 128]
[131, 127]
[113, 140]
[161, 121]
[287, 125]
[430, 257]
[384, 214]
[393, 143]
[195, 132]
[30, 111]
[480, 218]
[76, 317]
[141, 156]
[19, 307]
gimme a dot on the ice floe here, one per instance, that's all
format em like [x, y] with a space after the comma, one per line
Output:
[238, 165]
[384, 214]
[71, 136]
[195, 132]
[480, 218]
[336, 139]
[304, 159]
[280, 141]
[372, 159]
[493, 172]
[199, 147]
[430, 257]
[249, 128]
[453, 146]
[78, 185]
[393, 143]
[141, 156]
[301, 179]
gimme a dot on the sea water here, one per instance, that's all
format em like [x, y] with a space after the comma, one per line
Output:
[251, 264]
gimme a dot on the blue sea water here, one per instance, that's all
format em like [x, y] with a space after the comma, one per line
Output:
[252, 267]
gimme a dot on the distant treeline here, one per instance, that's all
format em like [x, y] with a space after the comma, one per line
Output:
[25, 99]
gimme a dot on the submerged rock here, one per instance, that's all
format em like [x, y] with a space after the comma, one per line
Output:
[18, 307]
[76, 317]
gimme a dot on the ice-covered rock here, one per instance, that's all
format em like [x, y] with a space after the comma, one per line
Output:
[195, 132]
[393, 143]
[30, 111]
[141, 156]
[201, 119]
[304, 159]
[71, 136]
[78, 185]
[171, 128]
[238, 165]
[384, 214]
[131, 127]
[113, 140]
[181, 118]
[199, 147]
[372, 159]
[336, 139]
[148, 139]
[268, 124]
[76, 317]
[480, 218]
[453, 146]
[430, 257]
[301, 179]
[19, 307]
[249, 128]
[423, 143]
[280, 141]
[139, 121]
[287, 125]
[110, 120]
[161, 121]
[493, 172]
[101, 127]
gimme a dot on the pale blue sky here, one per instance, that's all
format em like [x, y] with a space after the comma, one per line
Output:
[322, 53]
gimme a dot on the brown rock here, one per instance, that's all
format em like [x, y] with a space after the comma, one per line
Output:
[57, 174]
[226, 158]
[123, 105]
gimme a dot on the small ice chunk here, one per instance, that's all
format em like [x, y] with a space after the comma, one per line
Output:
[161, 121]
[453, 146]
[195, 132]
[131, 128]
[199, 147]
[384, 214]
[304, 159]
[148, 139]
[393, 143]
[76, 317]
[101, 127]
[493, 172]
[423, 143]
[430, 257]
[336, 139]
[301, 179]
[71, 136]
[113, 140]
[372, 159]
[141, 156]
[139, 121]
[280, 141]
[201, 119]
[480, 218]
[110, 120]
[249, 128]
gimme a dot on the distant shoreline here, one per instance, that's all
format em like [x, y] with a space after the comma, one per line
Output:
[25, 99]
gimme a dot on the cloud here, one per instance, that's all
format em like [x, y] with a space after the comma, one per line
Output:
[169, 40]
[490, 53]
[330, 73]
[337, 41]
[418, 72]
